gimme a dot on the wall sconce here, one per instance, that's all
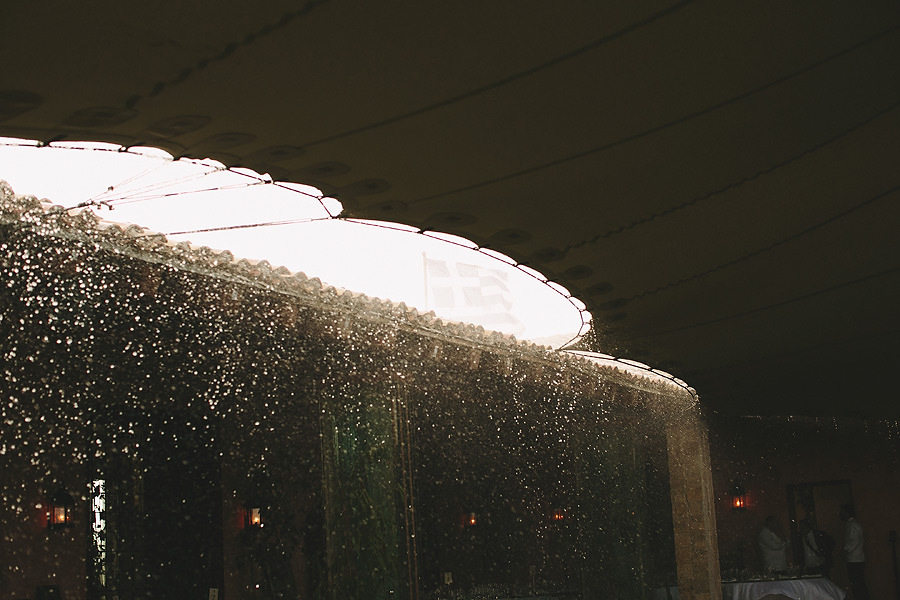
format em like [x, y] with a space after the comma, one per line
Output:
[60, 505]
[251, 516]
[738, 498]
[558, 515]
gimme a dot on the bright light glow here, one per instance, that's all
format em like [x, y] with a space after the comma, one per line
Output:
[536, 274]
[453, 239]
[98, 528]
[287, 224]
[58, 515]
[633, 367]
[499, 256]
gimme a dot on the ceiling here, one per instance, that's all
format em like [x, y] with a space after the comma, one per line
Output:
[718, 182]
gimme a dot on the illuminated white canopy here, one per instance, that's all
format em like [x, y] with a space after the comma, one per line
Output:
[296, 226]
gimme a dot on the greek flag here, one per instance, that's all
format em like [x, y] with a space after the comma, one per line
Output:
[470, 294]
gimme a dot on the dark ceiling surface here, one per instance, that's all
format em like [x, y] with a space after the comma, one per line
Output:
[717, 181]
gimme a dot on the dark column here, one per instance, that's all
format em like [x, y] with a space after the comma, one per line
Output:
[363, 499]
[693, 509]
[611, 512]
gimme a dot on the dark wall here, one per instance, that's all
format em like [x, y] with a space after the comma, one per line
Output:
[776, 458]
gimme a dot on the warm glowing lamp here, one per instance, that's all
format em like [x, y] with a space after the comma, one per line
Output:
[558, 514]
[252, 516]
[470, 520]
[60, 505]
[738, 498]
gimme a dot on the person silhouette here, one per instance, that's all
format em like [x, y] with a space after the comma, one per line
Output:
[772, 546]
[853, 552]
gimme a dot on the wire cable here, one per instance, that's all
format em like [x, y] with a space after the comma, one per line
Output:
[248, 226]
[663, 126]
[509, 79]
[733, 185]
[771, 246]
[778, 304]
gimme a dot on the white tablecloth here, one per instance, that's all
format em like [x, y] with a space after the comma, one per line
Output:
[817, 588]
[811, 588]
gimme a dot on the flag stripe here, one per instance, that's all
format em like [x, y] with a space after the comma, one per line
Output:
[472, 294]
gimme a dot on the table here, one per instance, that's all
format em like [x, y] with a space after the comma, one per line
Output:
[804, 588]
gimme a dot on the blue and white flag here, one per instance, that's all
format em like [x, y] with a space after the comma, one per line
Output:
[470, 294]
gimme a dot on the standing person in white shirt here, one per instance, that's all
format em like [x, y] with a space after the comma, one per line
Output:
[772, 546]
[853, 553]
